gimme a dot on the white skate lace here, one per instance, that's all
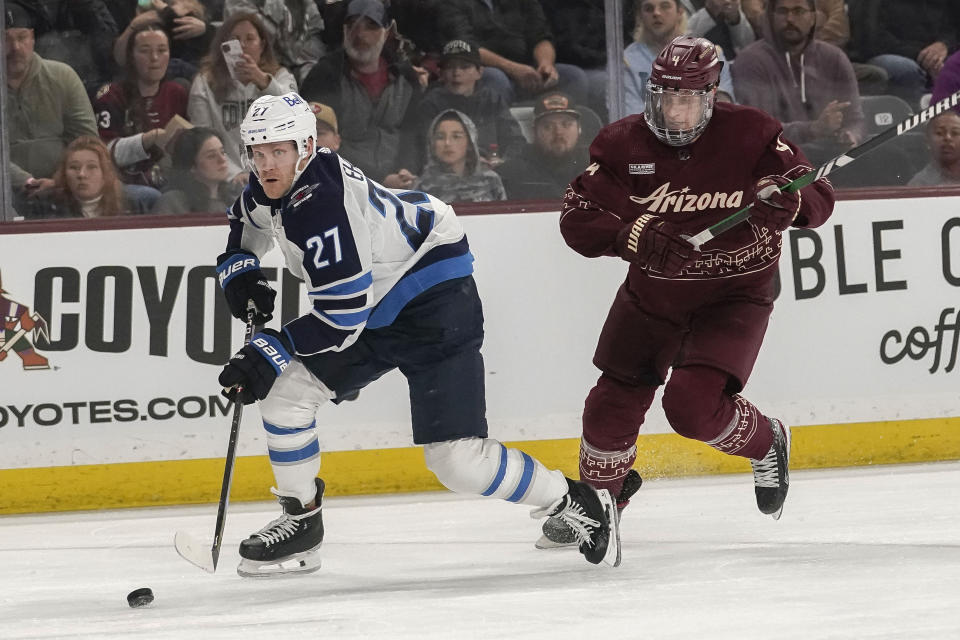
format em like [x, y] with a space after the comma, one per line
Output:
[280, 529]
[765, 471]
[582, 525]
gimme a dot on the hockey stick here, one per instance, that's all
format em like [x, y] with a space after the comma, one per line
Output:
[188, 546]
[840, 161]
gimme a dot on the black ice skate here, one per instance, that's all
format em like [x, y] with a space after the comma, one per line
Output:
[556, 533]
[591, 517]
[287, 545]
[771, 475]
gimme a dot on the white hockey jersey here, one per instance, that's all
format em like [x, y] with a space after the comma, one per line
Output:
[363, 250]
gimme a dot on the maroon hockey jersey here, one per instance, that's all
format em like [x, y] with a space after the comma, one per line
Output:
[633, 173]
[120, 115]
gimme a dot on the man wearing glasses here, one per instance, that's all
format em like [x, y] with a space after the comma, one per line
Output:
[807, 84]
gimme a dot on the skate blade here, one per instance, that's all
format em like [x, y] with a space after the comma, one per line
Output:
[612, 556]
[194, 551]
[546, 543]
[786, 430]
[304, 562]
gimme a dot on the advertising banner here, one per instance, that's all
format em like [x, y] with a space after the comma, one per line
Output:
[114, 338]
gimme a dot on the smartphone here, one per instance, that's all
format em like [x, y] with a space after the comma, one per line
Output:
[232, 54]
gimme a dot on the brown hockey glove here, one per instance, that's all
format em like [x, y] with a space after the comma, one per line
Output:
[656, 246]
[773, 208]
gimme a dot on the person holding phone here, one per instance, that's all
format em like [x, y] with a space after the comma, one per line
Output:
[240, 67]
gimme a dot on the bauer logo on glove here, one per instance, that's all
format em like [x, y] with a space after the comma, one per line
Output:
[243, 282]
[278, 357]
[251, 372]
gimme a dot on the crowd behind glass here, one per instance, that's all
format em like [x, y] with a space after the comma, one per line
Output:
[133, 106]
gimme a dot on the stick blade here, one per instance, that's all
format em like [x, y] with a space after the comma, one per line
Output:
[195, 551]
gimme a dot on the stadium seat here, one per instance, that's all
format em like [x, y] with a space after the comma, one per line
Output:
[880, 112]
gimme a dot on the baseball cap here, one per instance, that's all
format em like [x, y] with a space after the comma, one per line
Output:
[459, 50]
[16, 16]
[325, 115]
[372, 9]
[554, 102]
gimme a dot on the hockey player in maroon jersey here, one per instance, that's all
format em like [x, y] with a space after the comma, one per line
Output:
[654, 180]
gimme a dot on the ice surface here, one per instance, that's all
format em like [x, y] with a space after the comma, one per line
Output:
[859, 553]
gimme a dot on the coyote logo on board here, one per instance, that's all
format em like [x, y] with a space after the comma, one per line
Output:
[18, 324]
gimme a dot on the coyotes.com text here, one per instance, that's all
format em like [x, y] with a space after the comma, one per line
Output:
[47, 414]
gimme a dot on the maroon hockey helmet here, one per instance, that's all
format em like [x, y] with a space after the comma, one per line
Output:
[684, 74]
[687, 63]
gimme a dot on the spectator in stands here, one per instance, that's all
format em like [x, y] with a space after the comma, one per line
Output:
[943, 136]
[374, 97]
[555, 157]
[454, 172]
[186, 27]
[755, 12]
[295, 26]
[134, 115]
[833, 26]
[199, 178]
[948, 80]
[579, 36]
[724, 24]
[910, 39]
[413, 31]
[81, 34]
[46, 108]
[516, 47]
[807, 84]
[86, 183]
[658, 23]
[459, 88]
[222, 92]
[328, 132]
[419, 20]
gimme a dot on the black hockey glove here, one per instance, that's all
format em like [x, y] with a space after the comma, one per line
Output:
[252, 371]
[241, 280]
[773, 208]
[656, 246]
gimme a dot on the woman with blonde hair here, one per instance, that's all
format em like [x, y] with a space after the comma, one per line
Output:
[229, 81]
[658, 22]
[86, 184]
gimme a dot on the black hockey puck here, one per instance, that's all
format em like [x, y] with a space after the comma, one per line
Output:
[140, 597]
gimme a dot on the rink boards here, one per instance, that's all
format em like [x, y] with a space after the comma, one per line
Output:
[861, 357]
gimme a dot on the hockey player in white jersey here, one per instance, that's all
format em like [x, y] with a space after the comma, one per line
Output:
[389, 279]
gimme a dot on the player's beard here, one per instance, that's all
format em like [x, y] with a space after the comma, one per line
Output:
[365, 55]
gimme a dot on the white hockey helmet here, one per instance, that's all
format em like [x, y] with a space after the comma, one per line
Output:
[286, 118]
